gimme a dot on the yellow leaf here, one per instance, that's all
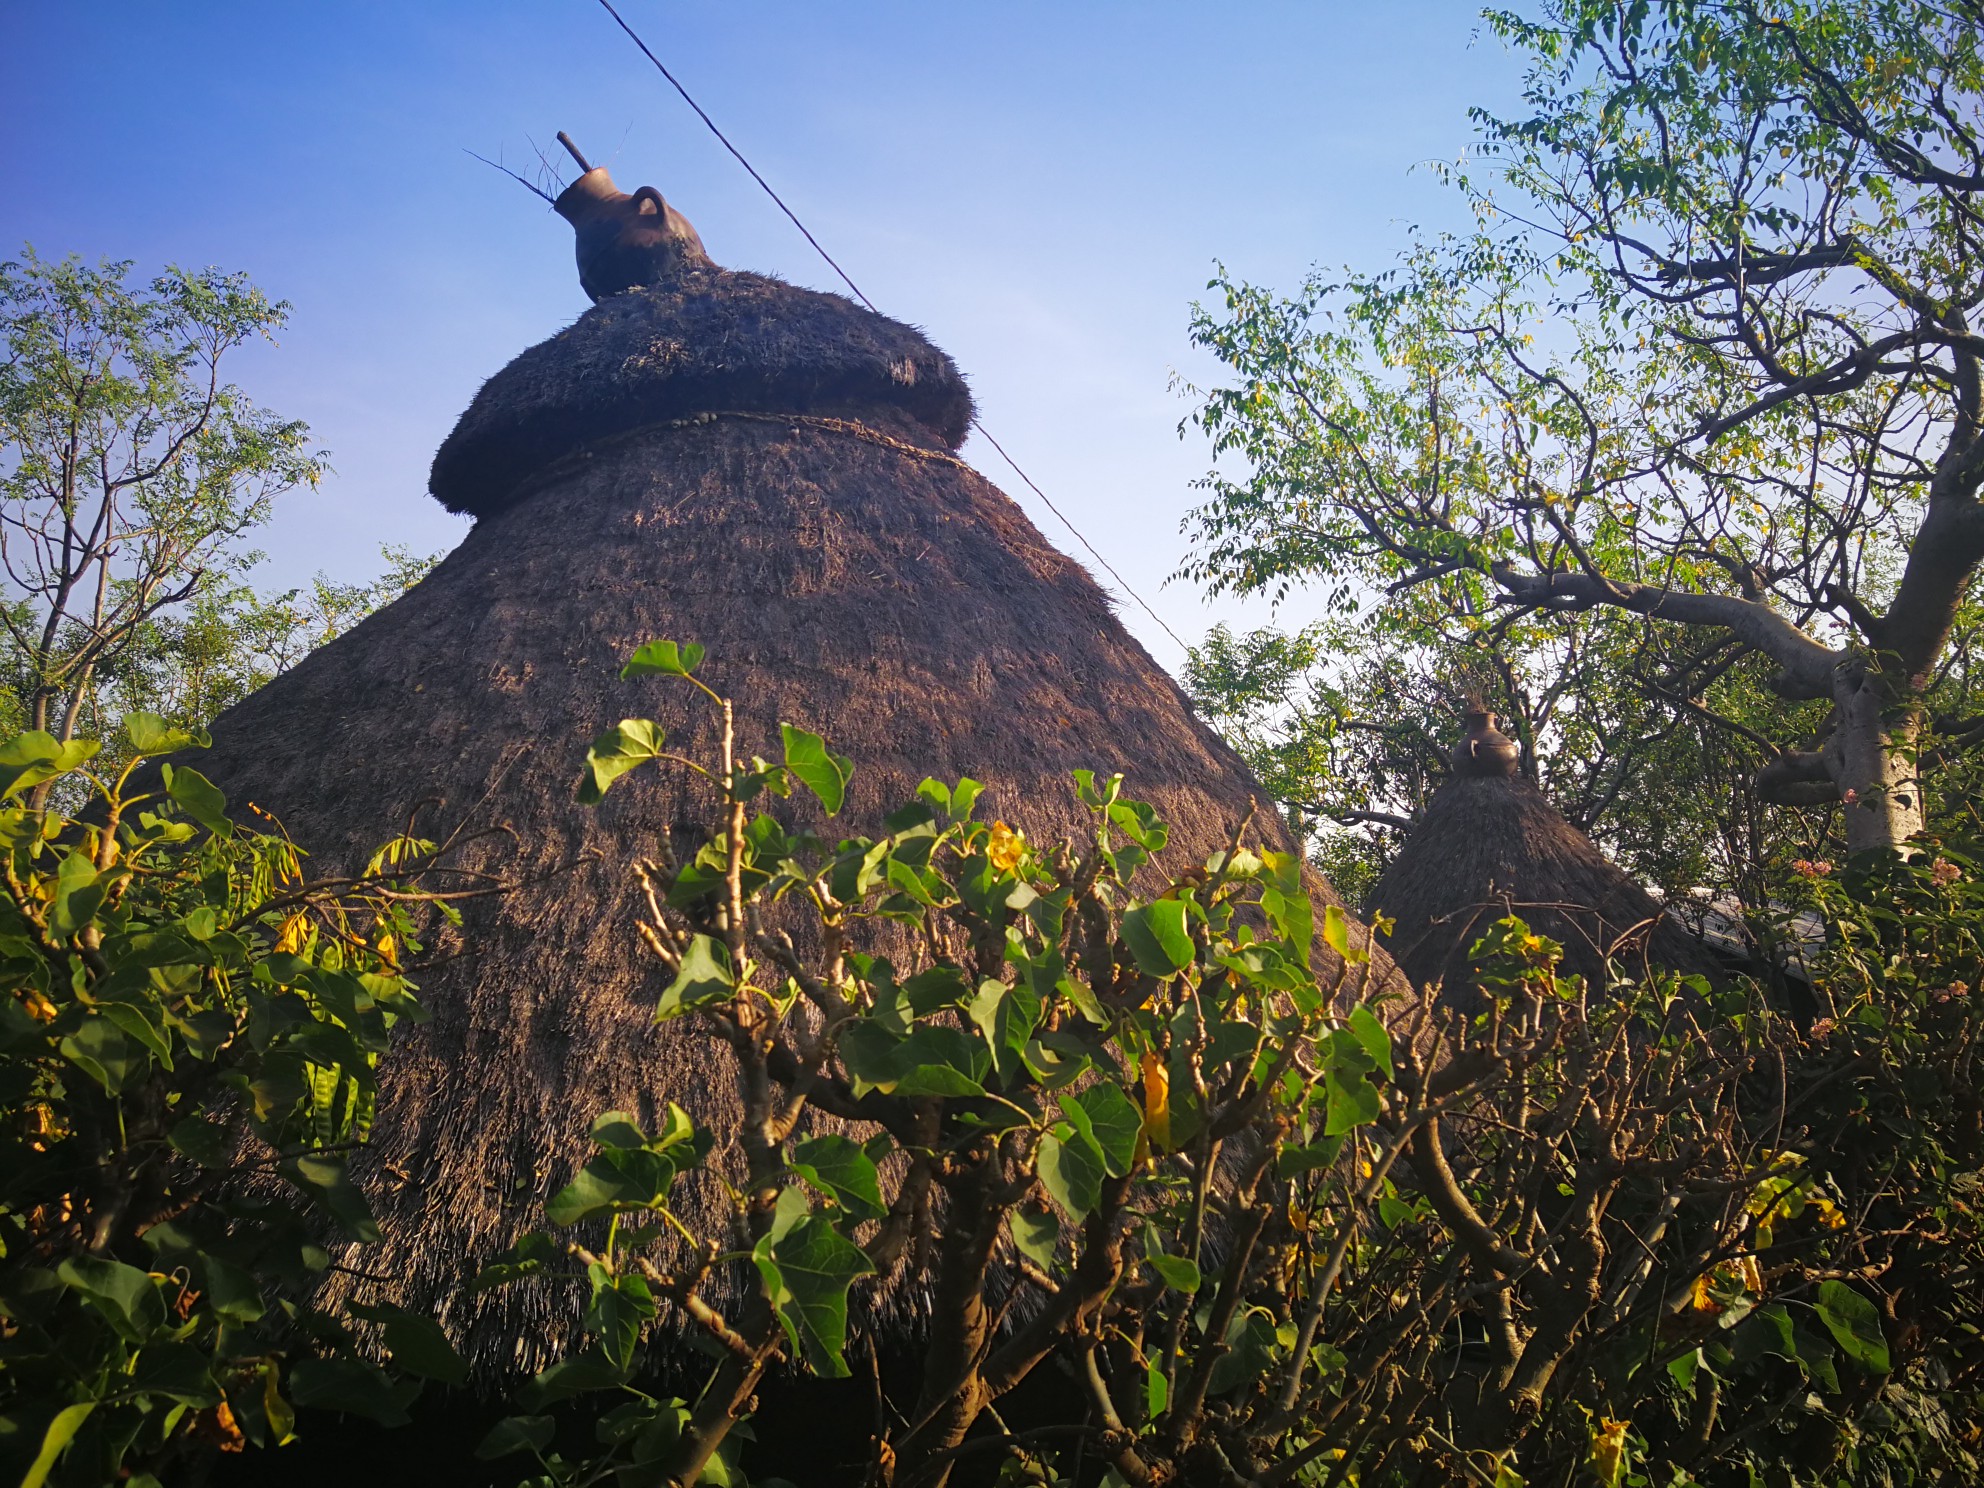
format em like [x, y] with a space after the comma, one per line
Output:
[1157, 1101]
[1608, 1449]
[295, 931]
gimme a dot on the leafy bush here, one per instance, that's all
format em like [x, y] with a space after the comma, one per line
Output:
[187, 1041]
[1108, 1120]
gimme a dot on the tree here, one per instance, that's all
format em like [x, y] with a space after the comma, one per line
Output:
[130, 468]
[1708, 360]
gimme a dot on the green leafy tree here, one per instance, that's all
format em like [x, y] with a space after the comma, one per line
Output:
[188, 1033]
[129, 468]
[1708, 360]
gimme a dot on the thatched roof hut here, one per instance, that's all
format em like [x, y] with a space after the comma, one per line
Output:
[1490, 844]
[717, 457]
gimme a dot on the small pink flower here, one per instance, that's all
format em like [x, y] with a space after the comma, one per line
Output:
[1852, 796]
[1950, 993]
[1944, 872]
[1811, 867]
[1821, 1029]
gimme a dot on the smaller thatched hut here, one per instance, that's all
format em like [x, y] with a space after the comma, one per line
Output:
[1490, 844]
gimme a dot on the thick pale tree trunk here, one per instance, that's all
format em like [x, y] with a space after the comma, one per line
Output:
[1872, 757]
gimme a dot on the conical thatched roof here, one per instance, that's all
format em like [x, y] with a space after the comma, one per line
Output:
[721, 458]
[1489, 844]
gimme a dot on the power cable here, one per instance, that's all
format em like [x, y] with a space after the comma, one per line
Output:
[793, 217]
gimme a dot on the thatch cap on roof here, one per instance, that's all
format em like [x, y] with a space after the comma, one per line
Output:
[1490, 845]
[703, 340]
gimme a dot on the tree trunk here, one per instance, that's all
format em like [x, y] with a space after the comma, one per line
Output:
[1872, 753]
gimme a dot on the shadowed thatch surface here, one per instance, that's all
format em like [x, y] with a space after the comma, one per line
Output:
[842, 578]
[1490, 845]
[706, 340]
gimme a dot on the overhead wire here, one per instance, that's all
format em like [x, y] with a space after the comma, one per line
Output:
[845, 278]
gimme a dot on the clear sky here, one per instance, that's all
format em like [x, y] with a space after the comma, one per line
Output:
[1044, 188]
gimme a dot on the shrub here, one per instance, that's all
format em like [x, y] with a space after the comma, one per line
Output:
[187, 1042]
[1107, 1119]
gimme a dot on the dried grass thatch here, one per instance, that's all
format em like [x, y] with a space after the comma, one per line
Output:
[768, 471]
[1491, 844]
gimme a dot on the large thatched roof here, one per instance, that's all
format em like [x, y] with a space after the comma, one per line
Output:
[721, 458]
[1489, 844]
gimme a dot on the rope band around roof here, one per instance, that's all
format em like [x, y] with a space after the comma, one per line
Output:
[568, 464]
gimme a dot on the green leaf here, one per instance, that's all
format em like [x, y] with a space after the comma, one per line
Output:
[1036, 1235]
[1070, 1164]
[418, 1344]
[1112, 1120]
[147, 733]
[1352, 1103]
[705, 979]
[126, 1298]
[516, 1434]
[104, 1052]
[1369, 1032]
[78, 895]
[1855, 1325]
[579, 1375]
[630, 743]
[1179, 1273]
[1157, 1389]
[1007, 1017]
[933, 1060]
[663, 659]
[199, 798]
[54, 1441]
[823, 773]
[621, 1308]
[842, 1170]
[618, 1179]
[353, 1387]
[28, 759]
[326, 1180]
[1157, 937]
[807, 1268]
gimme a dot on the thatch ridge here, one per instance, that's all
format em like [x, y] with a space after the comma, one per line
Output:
[1490, 845]
[705, 340]
[894, 601]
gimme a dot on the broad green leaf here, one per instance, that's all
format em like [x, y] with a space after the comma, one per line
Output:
[579, 1375]
[1007, 1017]
[516, 1434]
[1157, 1389]
[842, 1170]
[1157, 937]
[1112, 1121]
[807, 1268]
[822, 772]
[933, 1060]
[1855, 1325]
[630, 743]
[104, 1052]
[621, 1307]
[1370, 1033]
[417, 1344]
[618, 1129]
[326, 1180]
[663, 659]
[147, 733]
[618, 1179]
[705, 979]
[1036, 1235]
[1179, 1272]
[1070, 1164]
[199, 798]
[126, 1298]
[78, 895]
[28, 759]
[1353, 1102]
[354, 1387]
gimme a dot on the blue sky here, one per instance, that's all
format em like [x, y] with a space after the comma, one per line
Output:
[1043, 187]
